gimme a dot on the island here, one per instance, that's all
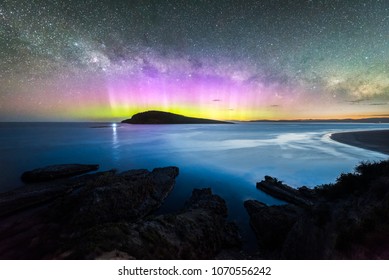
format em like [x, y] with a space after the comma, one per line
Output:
[159, 117]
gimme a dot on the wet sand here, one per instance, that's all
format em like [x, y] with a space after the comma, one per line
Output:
[375, 140]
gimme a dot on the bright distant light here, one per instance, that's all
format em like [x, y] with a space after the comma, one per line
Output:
[114, 125]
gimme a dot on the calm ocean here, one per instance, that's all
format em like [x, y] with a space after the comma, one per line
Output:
[228, 158]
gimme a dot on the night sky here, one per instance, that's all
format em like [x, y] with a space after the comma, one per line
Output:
[78, 60]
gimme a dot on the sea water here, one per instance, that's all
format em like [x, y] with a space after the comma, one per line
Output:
[229, 158]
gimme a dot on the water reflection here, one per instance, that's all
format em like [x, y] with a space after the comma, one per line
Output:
[115, 143]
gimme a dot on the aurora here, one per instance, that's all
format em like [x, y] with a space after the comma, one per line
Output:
[78, 60]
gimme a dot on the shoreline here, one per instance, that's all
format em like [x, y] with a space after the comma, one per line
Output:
[374, 140]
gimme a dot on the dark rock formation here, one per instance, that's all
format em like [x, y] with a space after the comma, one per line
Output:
[346, 220]
[54, 172]
[199, 231]
[110, 197]
[158, 117]
[271, 224]
[281, 191]
[108, 215]
[65, 208]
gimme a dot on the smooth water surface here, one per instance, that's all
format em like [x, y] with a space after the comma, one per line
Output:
[228, 158]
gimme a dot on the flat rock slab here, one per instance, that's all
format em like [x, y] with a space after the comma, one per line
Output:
[53, 172]
[281, 191]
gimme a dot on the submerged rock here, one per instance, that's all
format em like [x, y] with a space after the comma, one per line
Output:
[54, 172]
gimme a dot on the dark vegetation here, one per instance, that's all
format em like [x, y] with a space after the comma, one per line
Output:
[368, 177]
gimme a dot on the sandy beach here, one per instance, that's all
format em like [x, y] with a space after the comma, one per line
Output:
[375, 140]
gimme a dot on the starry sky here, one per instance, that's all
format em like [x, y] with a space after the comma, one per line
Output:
[95, 60]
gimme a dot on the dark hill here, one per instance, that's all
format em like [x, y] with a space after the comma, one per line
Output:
[158, 117]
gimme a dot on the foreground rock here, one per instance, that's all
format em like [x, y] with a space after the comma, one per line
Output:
[64, 208]
[199, 231]
[158, 117]
[346, 220]
[54, 172]
[108, 215]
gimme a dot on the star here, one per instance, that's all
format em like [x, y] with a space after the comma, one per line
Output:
[128, 56]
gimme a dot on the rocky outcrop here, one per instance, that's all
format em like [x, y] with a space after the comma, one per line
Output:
[54, 172]
[109, 215]
[199, 231]
[67, 207]
[271, 224]
[281, 191]
[109, 197]
[129, 195]
[346, 220]
[158, 117]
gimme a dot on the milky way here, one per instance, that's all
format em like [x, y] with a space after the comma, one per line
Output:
[239, 60]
